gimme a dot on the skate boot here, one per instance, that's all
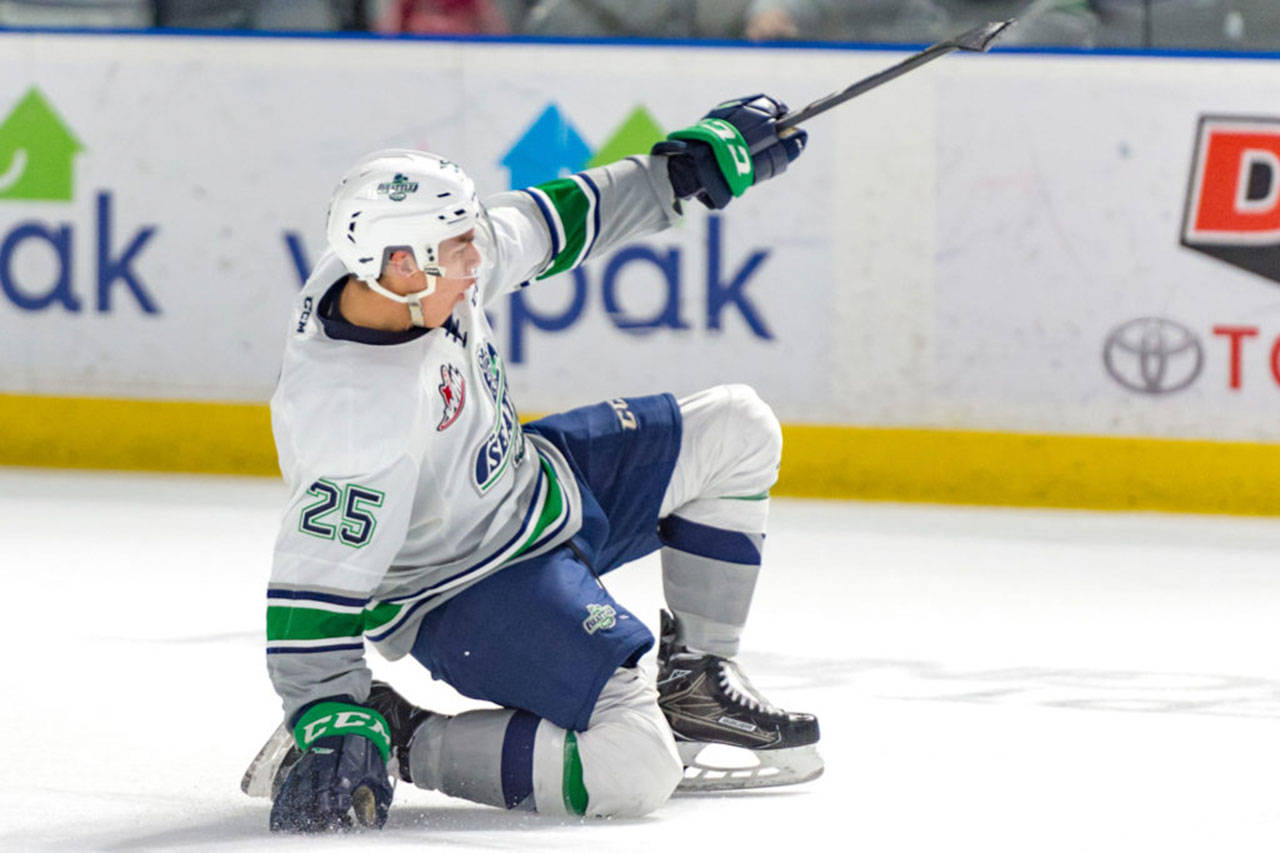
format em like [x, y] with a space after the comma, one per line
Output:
[707, 700]
[271, 765]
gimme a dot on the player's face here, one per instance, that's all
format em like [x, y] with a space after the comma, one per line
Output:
[460, 259]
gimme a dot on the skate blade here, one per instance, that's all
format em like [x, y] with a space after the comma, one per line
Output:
[262, 770]
[771, 768]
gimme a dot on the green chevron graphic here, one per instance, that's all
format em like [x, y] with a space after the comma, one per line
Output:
[37, 152]
[635, 135]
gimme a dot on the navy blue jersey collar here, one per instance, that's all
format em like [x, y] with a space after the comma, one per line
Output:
[337, 327]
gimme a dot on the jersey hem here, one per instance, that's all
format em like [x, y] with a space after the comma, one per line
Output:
[395, 642]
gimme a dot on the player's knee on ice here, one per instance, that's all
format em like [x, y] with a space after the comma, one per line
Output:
[629, 761]
[624, 764]
[730, 446]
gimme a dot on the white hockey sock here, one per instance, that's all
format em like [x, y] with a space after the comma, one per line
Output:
[714, 513]
[489, 757]
[625, 763]
[709, 573]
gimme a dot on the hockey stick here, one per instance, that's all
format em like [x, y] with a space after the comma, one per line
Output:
[978, 40]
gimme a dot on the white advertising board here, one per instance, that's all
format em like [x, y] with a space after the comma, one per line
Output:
[1074, 290]
[965, 249]
[199, 175]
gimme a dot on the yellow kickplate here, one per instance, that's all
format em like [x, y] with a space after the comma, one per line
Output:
[868, 463]
[137, 435]
[1094, 472]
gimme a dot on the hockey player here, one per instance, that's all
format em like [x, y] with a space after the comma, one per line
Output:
[426, 519]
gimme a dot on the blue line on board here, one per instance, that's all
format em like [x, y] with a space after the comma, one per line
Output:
[527, 40]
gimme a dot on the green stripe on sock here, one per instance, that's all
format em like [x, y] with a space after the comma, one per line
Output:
[305, 623]
[575, 793]
[573, 207]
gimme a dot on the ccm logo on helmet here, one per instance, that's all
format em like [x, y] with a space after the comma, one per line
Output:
[1233, 207]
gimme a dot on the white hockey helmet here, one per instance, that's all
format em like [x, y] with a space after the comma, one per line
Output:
[400, 198]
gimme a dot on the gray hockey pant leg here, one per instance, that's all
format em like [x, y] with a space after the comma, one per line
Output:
[625, 764]
[713, 514]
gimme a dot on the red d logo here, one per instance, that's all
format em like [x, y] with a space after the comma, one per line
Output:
[1233, 208]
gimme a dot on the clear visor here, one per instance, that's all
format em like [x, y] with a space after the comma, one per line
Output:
[486, 243]
[474, 258]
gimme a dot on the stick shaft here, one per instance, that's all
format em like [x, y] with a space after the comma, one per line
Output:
[977, 39]
[879, 79]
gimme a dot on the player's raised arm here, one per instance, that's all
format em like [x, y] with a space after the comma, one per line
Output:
[555, 226]
[552, 227]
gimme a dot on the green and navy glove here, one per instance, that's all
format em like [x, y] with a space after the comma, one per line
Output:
[733, 147]
[341, 778]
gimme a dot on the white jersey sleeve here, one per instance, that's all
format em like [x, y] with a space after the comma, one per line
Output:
[352, 493]
[555, 226]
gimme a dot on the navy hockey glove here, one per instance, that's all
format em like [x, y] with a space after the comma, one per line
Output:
[341, 779]
[733, 147]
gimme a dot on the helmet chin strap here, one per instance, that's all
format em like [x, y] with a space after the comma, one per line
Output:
[413, 300]
[415, 315]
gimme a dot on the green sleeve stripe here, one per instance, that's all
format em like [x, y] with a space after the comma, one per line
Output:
[763, 496]
[573, 203]
[305, 623]
[574, 791]
[327, 719]
[376, 617]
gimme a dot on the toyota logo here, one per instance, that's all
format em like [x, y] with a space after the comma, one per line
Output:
[1152, 355]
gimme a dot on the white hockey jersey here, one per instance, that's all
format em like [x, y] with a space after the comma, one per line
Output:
[410, 476]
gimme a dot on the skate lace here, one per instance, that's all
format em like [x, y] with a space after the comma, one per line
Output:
[739, 688]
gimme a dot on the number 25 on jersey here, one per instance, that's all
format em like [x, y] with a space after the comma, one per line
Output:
[356, 524]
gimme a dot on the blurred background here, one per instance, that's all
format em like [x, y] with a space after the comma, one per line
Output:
[1201, 24]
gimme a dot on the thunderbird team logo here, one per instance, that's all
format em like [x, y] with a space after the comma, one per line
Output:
[398, 188]
[453, 388]
[1233, 207]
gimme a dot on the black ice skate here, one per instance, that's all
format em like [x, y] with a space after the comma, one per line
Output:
[403, 717]
[707, 700]
[271, 765]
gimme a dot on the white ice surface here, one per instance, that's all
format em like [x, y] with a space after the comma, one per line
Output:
[993, 680]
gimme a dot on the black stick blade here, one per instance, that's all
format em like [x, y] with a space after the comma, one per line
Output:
[980, 38]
